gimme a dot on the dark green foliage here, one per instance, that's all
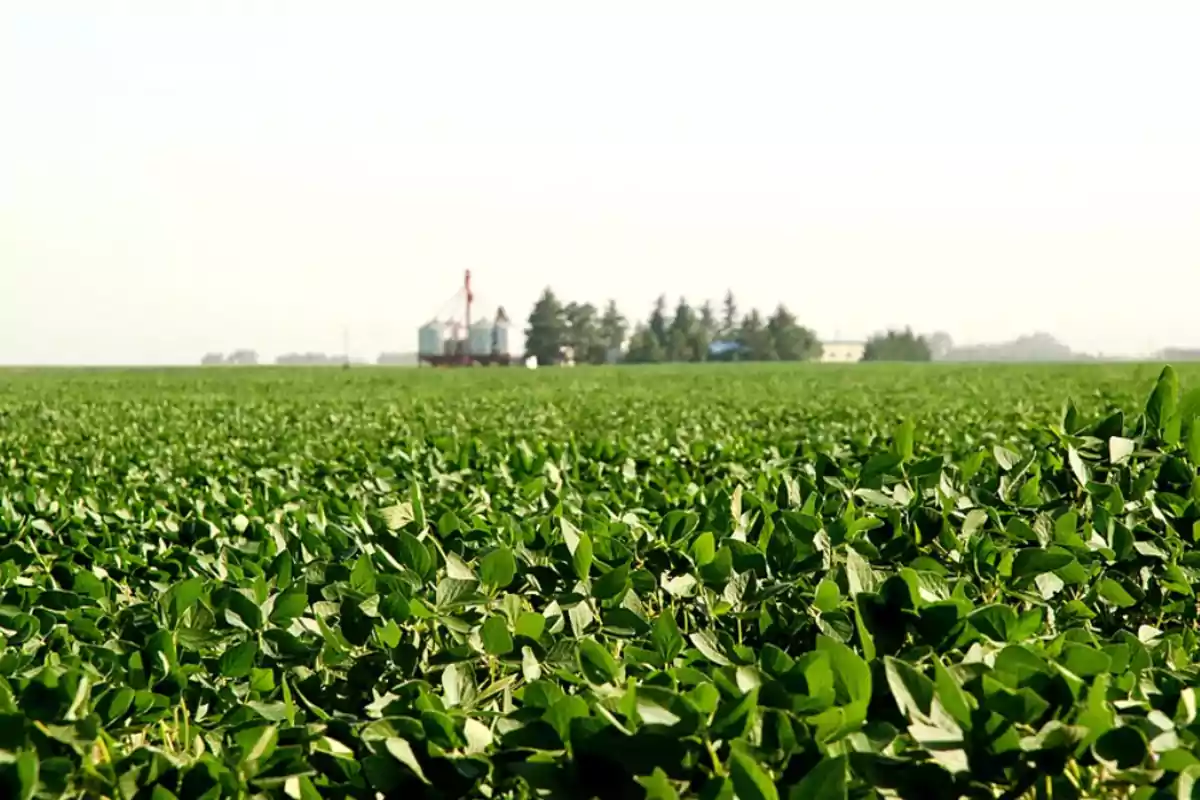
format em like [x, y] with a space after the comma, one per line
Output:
[548, 331]
[684, 336]
[764, 581]
[897, 346]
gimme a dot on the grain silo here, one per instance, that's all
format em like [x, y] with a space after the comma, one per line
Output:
[453, 339]
[480, 337]
[430, 337]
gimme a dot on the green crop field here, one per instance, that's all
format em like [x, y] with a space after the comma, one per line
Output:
[790, 581]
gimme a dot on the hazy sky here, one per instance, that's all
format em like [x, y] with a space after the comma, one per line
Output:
[182, 177]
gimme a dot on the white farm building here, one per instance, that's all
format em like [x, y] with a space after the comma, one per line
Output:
[842, 352]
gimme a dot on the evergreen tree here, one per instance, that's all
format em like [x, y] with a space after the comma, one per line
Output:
[644, 347]
[658, 321]
[755, 338]
[791, 341]
[613, 327]
[729, 316]
[706, 330]
[897, 346]
[583, 333]
[681, 341]
[547, 332]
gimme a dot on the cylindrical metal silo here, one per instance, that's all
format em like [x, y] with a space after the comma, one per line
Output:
[430, 337]
[480, 337]
[500, 337]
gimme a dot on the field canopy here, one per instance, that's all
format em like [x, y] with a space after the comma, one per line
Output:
[768, 581]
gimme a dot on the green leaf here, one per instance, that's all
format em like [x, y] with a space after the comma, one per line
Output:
[495, 636]
[902, 439]
[417, 504]
[826, 781]
[457, 569]
[237, 661]
[1115, 593]
[362, 577]
[1006, 458]
[657, 785]
[596, 663]
[706, 643]
[257, 744]
[611, 583]
[828, 598]
[530, 625]
[704, 549]
[397, 516]
[290, 604]
[498, 568]
[951, 695]
[1120, 449]
[26, 768]
[414, 555]
[402, 751]
[458, 685]
[859, 575]
[852, 676]
[1085, 661]
[733, 719]
[1160, 406]
[666, 637]
[750, 781]
[183, 595]
[1078, 468]
[912, 691]
[1030, 561]
[580, 546]
[242, 612]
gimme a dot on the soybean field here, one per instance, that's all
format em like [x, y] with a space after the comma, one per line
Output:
[708, 581]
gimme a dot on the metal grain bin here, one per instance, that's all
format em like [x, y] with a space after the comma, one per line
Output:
[500, 337]
[480, 337]
[430, 337]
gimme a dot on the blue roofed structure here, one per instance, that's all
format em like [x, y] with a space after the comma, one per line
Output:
[723, 350]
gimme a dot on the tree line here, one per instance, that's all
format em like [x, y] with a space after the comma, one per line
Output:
[683, 334]
[689, 334]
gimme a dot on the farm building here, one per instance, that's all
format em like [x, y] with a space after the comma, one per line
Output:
[842, 352]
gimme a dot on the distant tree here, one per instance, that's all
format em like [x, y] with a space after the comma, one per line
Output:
[791, 341]
[729, 315]
[756, 339]
[309, 359]
[212, 360]
[658, 321]
[707, 329]
[548, 329]
[940, 345]
[1030, 347]
[583, 333]
[896, 346]
[613, 327]
[243, 358]
[644, 347]
[682, 335]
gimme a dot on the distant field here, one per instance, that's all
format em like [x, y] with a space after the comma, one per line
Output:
[716, 580]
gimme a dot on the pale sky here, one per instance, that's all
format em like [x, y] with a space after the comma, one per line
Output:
[178, 178]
